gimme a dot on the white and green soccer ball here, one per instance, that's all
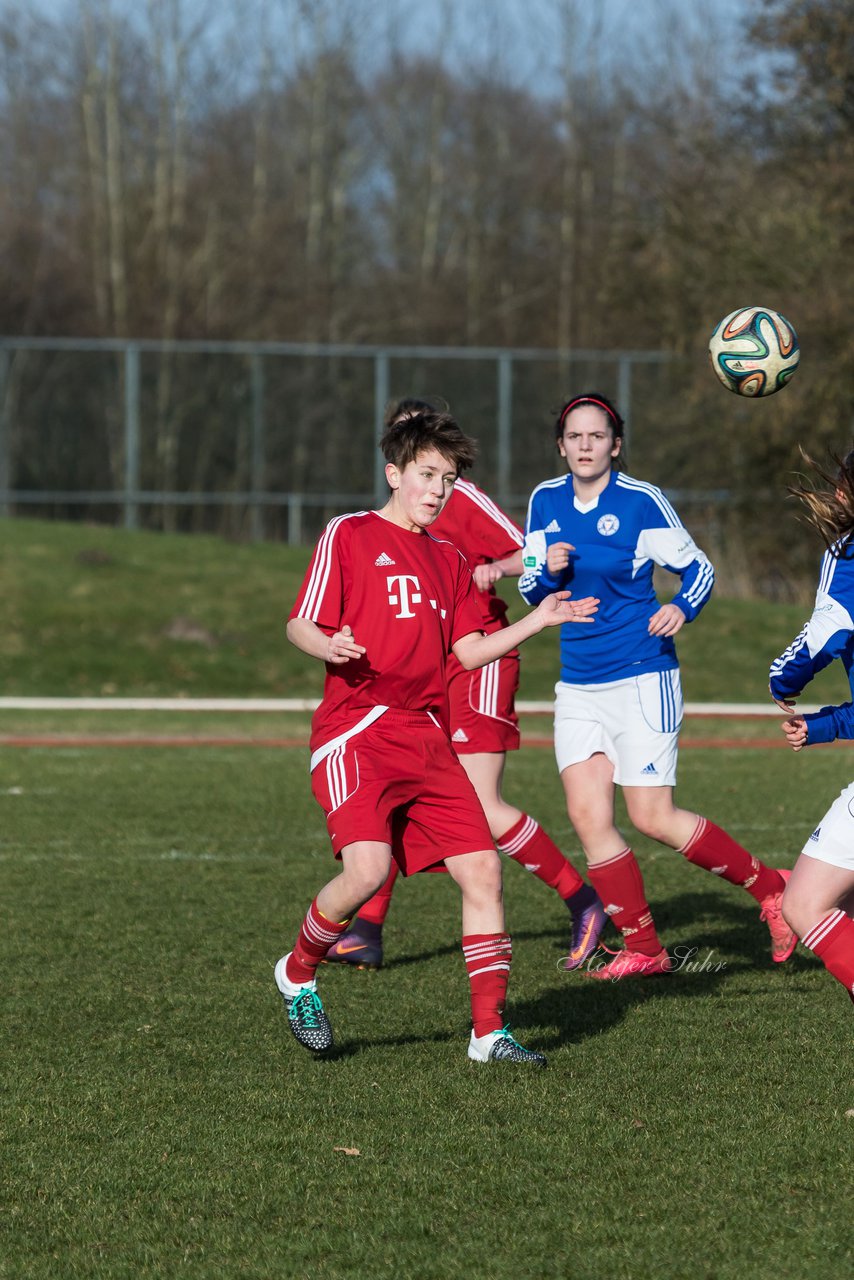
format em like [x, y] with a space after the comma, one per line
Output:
[754, 351]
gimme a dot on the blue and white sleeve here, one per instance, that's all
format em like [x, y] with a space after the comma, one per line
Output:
[829, 724]
[827, 634]
[535, 582]
[675, 550]
[825, 637]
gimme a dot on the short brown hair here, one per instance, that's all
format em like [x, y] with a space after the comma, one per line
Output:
[406, 438]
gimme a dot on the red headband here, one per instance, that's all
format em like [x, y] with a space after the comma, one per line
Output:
[573, 404]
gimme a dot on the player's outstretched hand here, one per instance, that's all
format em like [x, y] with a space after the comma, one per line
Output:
[666, 621]
[342, 647]
[795, 729]
[558, 608]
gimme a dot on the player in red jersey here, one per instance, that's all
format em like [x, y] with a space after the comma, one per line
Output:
[484, 727]
[383, 604]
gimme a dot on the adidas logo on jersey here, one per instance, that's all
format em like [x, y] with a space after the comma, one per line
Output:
[650, 768]
[554, 527]
[815, 835]
[383, 560]
[459, 735]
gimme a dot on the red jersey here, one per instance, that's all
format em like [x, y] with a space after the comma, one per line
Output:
[482, 532]
[408, 597]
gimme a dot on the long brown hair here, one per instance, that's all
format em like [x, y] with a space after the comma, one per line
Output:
[830, 510]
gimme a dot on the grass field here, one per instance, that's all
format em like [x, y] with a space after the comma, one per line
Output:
[158, 1120]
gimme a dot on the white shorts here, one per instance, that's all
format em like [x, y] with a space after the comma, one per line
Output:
[634, 722]
[833, 839]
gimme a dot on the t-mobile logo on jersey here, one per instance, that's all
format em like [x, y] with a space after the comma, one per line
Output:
[399, 592]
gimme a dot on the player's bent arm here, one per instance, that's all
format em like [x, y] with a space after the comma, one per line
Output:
[311, 639]
[829, 723]
[476, 649]
[485, 575]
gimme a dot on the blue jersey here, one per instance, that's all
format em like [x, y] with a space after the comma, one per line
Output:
[829, 634]
[618, 538]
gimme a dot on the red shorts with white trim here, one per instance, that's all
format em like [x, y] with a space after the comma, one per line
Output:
[398, 782]
[483, 706]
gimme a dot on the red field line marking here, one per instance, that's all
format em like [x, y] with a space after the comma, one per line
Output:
[193, 740]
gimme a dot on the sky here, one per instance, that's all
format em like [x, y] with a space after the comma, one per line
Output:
[527, 43]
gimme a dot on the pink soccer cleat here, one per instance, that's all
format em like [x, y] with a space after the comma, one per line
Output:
[783, 940]
[633, 964]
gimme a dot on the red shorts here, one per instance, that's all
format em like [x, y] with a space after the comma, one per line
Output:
[399, 782]
[483, 706]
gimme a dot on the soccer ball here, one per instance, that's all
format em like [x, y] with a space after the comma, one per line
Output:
[754, 351]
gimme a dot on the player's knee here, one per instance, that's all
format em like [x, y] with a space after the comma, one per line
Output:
[478, 874]
[588, 821]
[655, 821]
[366, 877]
[800, 915]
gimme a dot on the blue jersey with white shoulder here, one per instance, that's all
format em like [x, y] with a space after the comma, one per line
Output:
[617, 537]
[828, 634]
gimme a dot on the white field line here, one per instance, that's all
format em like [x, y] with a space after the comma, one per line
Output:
[310, 704]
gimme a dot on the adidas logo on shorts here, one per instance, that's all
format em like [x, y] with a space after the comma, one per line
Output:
[382, 560]
[650, 768]
[459, 736]
[554, 527]
[815, 835]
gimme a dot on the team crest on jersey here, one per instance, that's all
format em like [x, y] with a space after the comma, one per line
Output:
[606, 525]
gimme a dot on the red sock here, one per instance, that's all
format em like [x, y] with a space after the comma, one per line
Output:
[832, 940]
[527, 844]
[619, 884]
[487, 957]
[376, 908]
[315, 937]
[712, 849]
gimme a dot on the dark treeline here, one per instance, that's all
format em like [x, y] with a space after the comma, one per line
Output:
[307, 172]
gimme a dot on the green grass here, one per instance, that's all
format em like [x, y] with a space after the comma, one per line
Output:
[157, 1118]
[159, 1121]
[91, 610]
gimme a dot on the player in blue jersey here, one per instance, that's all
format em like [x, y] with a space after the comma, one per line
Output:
[819, 899]
[618, 704]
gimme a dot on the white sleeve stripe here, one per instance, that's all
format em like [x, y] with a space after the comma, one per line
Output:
[557, 483]
[786, 656]
[703, 585]
[320, 572]
[828, 568]
[489, 508]
[653, 492]
[310, 607]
